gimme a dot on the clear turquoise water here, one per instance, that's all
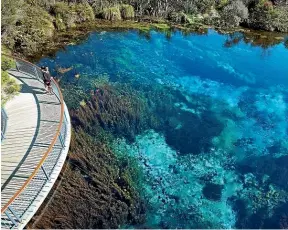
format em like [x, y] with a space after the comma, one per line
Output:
[240, 179]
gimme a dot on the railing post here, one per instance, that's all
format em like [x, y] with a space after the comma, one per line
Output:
[36, 73]
[42, 167]
[15, 214]
[17, 68]
[61, 140]
[3, 123]
[10, 218]
[65, 116]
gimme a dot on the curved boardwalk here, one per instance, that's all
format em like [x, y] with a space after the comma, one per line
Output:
[33, 120]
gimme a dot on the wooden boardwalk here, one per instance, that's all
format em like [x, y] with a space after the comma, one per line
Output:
[33, 119]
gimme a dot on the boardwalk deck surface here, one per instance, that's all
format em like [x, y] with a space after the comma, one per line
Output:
[33, 119]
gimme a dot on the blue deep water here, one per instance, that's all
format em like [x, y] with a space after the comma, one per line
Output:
[234, 178]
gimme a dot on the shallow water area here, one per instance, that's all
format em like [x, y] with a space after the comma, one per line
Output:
[219, 158]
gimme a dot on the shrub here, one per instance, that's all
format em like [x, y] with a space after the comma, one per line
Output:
[31, 30]
[235, 13]
[127, 11]
[221, 3]
[112, 13]
[9, 87]
[7, 63]
[84, 12]
[275, 20]
[179, 17]
[64, 16]
[204, 6]
[67, 16]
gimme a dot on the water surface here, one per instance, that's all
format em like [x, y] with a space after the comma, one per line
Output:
[222, 159]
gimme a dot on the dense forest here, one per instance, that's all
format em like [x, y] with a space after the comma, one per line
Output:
[28, 24]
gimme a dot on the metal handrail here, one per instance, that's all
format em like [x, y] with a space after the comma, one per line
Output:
[40, 164]
[4, 119]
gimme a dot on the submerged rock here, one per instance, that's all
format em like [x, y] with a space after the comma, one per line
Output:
[213, 191]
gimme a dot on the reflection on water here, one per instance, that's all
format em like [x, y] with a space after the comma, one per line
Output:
[217, 157]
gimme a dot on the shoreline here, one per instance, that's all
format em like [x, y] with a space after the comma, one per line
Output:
[76, 35]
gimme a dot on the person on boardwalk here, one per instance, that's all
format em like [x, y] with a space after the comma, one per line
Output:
[47, 78]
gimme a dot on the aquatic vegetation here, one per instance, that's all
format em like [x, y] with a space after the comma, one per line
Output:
[264, 40]
[64, 70]
[117, 108]
[93, 185]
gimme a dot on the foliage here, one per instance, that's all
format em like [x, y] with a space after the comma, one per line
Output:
[30, 29]
[11, 12]
[127, 11]
[275, 19]
[179, 17]
[111, 13]
[115, 108]
[94, 184]
[221, 3]
[234, 13]
[67, 16]
[29, 26]
[7, 63]
[204, 6]
[9, 87]
[42, 3]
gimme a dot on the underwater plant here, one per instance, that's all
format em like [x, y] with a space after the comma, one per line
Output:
[96, 191]
[116, 108]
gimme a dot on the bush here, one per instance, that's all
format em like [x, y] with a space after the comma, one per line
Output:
[179, 17]
[273, 20]
[7, 63]
[234, 13]
[204, 6]
[67, 16]
[9, 87]
[112, 13]
[221, 3]
[84, 12]
[31, 30]
[127, 11]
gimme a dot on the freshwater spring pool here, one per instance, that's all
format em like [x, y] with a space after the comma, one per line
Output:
[221, 161]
